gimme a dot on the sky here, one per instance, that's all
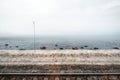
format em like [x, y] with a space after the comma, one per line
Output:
[59, 17]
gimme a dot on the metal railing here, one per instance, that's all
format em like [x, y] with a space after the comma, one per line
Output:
[62, 74]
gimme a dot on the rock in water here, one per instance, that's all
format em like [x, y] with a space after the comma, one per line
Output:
[61, 48]
[43, 47]
[115, 48]
[95, 48]
[56, 45]
[85, 46]
[74, 48]
[81, 47]
[16, 46]
[6, 44]
[22, 49]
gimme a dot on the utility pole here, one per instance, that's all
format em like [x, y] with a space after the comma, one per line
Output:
[34, 35]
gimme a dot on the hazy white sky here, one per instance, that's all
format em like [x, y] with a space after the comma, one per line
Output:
[60, 17]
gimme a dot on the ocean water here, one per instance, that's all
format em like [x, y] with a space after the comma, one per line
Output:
[51, 43]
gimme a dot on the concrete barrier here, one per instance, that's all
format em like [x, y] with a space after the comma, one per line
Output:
[61, 61]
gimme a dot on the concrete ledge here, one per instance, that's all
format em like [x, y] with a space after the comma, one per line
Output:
[28, 57]
[60, 61]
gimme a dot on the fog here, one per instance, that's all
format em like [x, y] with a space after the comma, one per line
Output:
[60, 17]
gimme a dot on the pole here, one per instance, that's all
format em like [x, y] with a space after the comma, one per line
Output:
[34, 35]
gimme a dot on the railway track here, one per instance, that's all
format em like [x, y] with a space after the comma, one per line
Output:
[59, 76]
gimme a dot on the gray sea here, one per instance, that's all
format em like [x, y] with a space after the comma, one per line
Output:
[59, 42]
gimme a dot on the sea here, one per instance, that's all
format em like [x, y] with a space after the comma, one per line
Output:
[59, 43]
